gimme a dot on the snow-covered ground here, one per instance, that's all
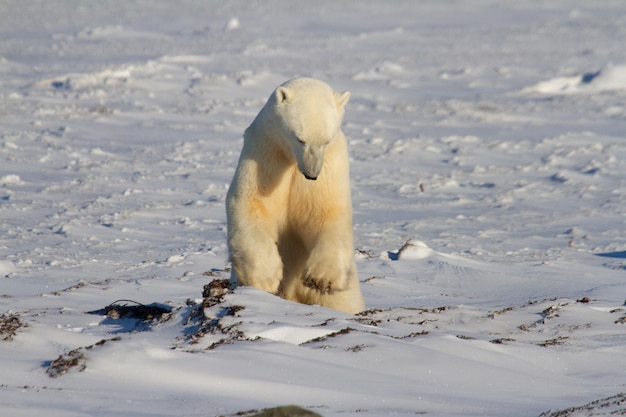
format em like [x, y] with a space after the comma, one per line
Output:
[487, 141]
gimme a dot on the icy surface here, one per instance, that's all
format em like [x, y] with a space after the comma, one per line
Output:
[488, 163]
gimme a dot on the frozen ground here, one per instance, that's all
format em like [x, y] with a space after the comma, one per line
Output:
[487, 136]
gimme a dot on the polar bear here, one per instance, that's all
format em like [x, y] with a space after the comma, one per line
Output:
[289, 208]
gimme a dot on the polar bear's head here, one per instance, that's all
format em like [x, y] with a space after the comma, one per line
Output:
[309, 117]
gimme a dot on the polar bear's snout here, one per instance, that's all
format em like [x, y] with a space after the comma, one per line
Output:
[310, 161]
[311, 172]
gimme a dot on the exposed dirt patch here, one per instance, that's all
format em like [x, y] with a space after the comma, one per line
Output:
[610, 406]
[216, 289]
[202, 325]
[502, 341]
[75, 359]
[10, 323]
[282, 411]
[554, 342]
[334, 334]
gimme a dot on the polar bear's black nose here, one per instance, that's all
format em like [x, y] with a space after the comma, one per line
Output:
[309, 178]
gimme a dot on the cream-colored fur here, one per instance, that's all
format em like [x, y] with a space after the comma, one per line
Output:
[289, 208]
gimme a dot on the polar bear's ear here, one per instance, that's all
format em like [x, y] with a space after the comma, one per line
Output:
[283, 94]
[341, 99]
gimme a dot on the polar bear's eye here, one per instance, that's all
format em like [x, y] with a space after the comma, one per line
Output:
[300, 140]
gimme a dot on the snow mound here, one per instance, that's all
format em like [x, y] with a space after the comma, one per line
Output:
[10, 180]
[6, 268]
[609, 78]
[412, 249]
[247, 314]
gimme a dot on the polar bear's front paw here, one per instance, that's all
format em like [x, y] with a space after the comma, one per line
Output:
[327, 270]
[320, 285]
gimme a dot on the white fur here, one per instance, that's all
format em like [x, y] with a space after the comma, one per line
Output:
[289, 208]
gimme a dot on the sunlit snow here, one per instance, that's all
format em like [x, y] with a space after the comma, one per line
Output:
[488, 166]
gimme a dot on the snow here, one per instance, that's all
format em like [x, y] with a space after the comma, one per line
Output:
[606, 79]
[488, 177]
